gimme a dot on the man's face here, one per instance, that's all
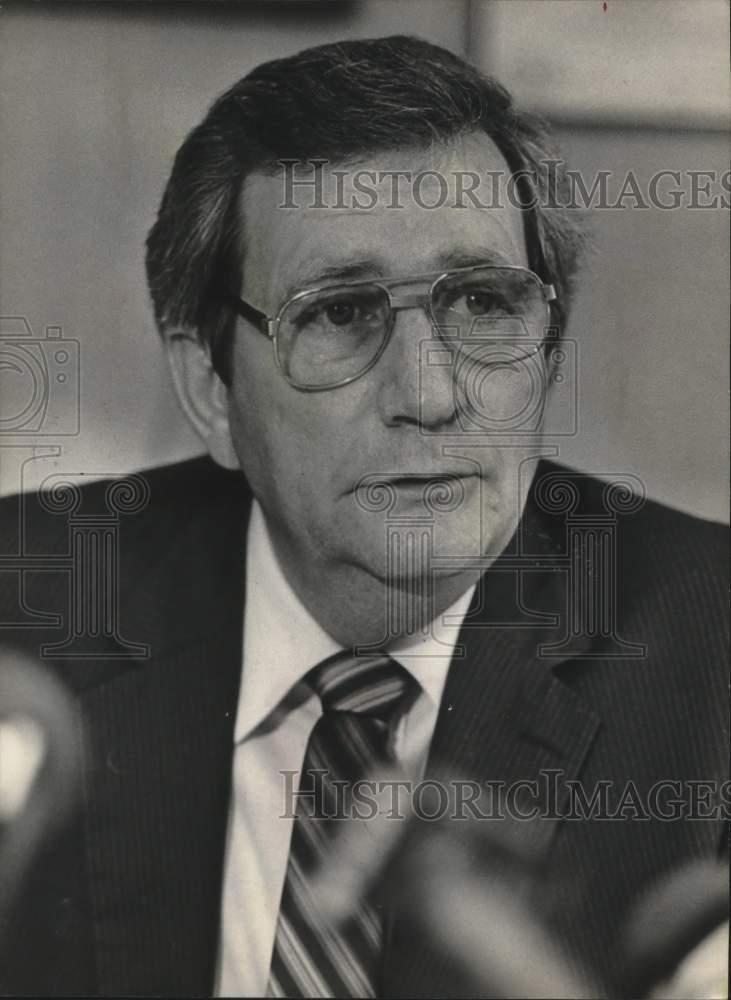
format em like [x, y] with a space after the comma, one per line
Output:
[305, 453]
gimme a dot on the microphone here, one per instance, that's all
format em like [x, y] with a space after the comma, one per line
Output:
[39, 766]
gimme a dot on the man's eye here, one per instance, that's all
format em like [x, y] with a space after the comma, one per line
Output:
[341, 313]
[480, 303]
[338, 313]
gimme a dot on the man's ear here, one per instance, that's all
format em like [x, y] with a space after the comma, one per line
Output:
[202, 395]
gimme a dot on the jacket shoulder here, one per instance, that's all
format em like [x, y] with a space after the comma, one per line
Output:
[146, 494]
[152, 520]
[651, 535]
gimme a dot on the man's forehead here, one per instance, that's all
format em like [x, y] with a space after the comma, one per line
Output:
[392, 175]
[365, 214]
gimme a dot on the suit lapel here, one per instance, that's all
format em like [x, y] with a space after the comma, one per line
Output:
[505, 717]
[159, 742]
[505, 713]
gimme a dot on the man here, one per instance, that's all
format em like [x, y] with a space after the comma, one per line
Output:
[365, 349]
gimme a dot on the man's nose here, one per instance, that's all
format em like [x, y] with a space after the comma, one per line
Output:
[416, 373]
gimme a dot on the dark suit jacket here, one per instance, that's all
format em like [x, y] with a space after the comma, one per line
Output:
[127, 900]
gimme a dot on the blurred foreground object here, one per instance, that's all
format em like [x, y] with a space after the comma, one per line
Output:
[676, 941]
[476, 893]
[703, 975]
[470, 887]
[39, 767]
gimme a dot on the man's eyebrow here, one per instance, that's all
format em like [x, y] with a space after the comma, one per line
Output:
[311, 277]
[473, 257]
[314, 275]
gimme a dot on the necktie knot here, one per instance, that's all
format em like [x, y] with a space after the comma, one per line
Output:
[375, 685]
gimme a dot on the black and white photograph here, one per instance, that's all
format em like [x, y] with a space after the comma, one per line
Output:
[364, 498]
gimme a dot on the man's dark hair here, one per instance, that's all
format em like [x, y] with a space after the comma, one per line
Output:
[338, 102]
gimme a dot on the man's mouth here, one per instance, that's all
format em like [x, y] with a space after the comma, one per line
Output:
[442, 490]
[426, 478]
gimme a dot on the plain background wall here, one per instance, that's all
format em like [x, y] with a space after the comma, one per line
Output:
[94, 101]
[651, 325]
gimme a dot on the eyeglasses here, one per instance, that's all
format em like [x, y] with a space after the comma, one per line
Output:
[326, 337]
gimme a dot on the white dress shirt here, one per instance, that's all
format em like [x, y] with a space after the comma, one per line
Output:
[281, 643]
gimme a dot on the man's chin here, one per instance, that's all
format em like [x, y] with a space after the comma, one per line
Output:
[407, 555]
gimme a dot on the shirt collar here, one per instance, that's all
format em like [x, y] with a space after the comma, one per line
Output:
[282, 641]
[428, 657]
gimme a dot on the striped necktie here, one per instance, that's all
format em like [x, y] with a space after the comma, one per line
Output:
[361, 699]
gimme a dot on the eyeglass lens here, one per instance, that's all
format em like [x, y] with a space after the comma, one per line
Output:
[494, 315]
